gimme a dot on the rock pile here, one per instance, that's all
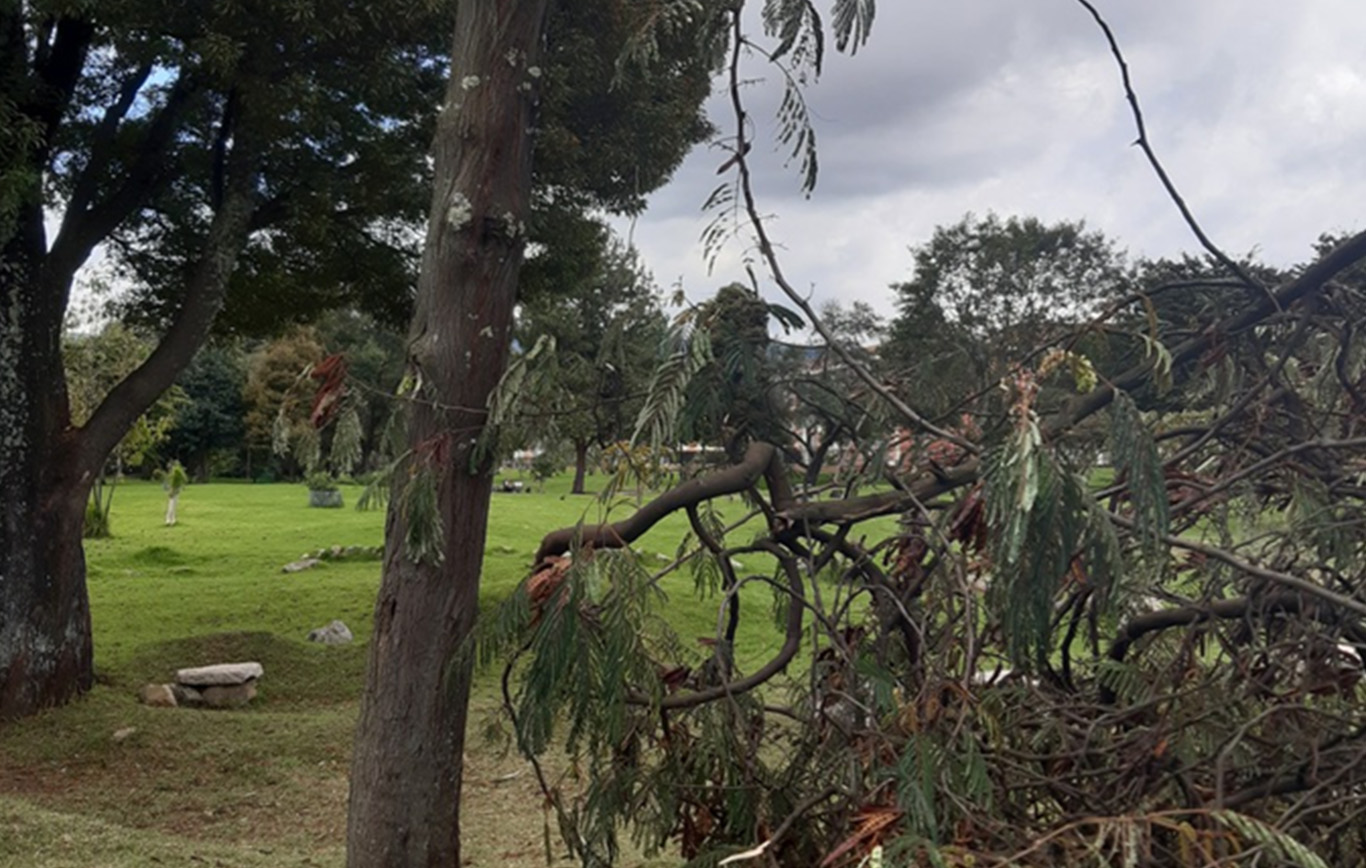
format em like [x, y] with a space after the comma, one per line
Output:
[225, 685]
[309, 560]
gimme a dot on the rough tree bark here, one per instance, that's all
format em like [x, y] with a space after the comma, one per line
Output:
[45, 650]
[405, 772]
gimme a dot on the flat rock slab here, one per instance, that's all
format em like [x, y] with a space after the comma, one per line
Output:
[222, 674]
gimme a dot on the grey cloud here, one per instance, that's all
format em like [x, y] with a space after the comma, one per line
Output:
[1257, 107]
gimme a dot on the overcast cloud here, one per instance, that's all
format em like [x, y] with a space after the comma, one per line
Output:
[1256, 107]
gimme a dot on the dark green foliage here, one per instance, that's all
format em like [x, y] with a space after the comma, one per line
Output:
[211, 419]
[732, 401]
[593, 645]
[986, 293]
[338, 96]
[606, 325]
[1046, 532]
[1004, 278]
[1137, 463]
[686, 351]
[423, 540]
[346, 98]
[612, 133]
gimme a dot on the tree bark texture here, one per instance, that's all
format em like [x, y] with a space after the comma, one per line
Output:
[45, 650]
[406, 768]
[580, 466]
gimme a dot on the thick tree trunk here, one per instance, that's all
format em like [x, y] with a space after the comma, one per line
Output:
[406, 768]
[580, 467]
[45, 647]
[45, 650]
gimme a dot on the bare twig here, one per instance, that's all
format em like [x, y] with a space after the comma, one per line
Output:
[1146, 146]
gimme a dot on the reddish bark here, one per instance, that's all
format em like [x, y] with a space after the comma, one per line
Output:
[406, 768]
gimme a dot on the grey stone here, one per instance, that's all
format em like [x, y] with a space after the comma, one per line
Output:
[305, 563]
[157, 695]
[229, 696]
[325, 499]
[222, 673]
[123, 734]
[189, 696]
[336, 633]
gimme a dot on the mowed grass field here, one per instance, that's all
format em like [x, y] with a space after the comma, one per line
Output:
[109, 782]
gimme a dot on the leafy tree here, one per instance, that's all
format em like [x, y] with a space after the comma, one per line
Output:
[172, 136]
[273, 377]
[986, 291]
[731, 401]
[607, 329]
[276, 150]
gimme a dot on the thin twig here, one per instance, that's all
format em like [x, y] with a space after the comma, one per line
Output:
[1146, 146]
[767, 251]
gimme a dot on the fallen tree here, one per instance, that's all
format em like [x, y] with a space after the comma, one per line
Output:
[1052, 658]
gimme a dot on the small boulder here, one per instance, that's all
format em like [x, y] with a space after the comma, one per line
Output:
[121, 735]
[229, 696]
[157, 695]
[305, 563]
[187, 696]
[220, 674]
[336, 633]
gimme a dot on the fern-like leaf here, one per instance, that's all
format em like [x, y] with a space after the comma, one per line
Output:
[1280, 845]
[1135, 456]
[659, 415]
[853, 21]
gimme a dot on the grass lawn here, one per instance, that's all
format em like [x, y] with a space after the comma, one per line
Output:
[267, 785]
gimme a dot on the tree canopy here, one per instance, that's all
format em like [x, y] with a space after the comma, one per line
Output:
[606, 328]
[242, 167]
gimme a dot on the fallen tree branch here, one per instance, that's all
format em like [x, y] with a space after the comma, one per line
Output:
[1283, 602]
[1275, 576]
[792, 642]
[730, 480]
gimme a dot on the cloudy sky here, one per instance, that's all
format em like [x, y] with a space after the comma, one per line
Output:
[1256, 107]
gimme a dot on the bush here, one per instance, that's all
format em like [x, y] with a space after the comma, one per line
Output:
[319, 481]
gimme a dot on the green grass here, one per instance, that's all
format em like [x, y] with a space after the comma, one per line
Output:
[265, 785]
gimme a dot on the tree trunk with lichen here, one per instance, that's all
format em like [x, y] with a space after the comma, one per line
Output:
[406, 768]
[45, 648]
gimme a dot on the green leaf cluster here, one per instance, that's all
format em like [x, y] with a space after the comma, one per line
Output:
[1045, 529]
